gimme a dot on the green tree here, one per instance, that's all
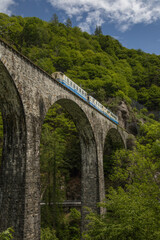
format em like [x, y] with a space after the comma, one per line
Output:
[68, 23]
[48, 234]
[54, 20]
[52, 149]
[35, 32]
[98, 31]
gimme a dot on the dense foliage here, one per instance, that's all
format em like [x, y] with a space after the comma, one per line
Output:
[105, 69]
[133, 209]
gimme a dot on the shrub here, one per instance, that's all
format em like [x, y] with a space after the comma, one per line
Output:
[48, 234]
[7, 234]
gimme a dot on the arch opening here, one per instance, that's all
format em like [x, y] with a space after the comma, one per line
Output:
[60, 168]
[12, 169]
[113, 142]
[78, 175]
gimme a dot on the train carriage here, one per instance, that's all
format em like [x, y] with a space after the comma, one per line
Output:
[63, 79]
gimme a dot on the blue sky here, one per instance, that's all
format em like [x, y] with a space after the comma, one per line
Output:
[135, 23]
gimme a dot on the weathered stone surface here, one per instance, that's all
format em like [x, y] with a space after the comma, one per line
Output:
[26, 94]
[123, 114]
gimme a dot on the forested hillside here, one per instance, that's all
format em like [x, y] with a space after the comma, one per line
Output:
[98, 63]
[112, 74]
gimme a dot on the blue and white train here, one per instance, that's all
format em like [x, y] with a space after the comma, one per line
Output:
[63, 79]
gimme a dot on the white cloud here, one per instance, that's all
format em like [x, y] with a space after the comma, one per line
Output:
[5, 5]
[93, 18]
[124, 13]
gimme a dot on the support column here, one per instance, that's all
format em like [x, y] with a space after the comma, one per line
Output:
[101, 174]
[32, 188]
[89, 179]
[12, 173]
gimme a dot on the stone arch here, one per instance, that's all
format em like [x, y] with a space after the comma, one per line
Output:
[115, 137]
[12, 170]
[113, 141]
[89, 159]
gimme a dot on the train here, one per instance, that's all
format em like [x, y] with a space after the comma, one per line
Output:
[67, 82]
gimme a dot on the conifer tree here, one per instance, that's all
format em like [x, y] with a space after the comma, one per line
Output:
[54, 20]
[98, 31]
[68, 23]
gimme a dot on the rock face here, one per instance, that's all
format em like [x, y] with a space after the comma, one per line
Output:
[123, 114]
[126, 119]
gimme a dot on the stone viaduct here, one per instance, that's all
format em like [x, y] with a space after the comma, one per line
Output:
[26, 94]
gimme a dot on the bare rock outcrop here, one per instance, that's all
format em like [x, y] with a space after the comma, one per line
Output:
[126, 118]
